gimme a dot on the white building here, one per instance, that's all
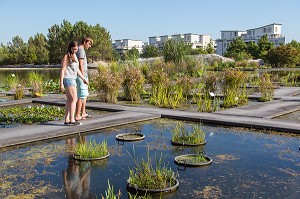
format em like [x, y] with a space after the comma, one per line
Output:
[273, 31]
[195, 40]
[127, 44]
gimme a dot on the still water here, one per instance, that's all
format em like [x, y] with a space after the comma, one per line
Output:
[22, 73]
[246, 164]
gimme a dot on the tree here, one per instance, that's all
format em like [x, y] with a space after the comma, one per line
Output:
[39, 46]
[252, 49]
[150, 51]
[17, 51]
[264, 46]
[283, 56]
[132, 54]
[237, 49]
[58, 40]
[79, 30]
[210, 48]
[102, 45]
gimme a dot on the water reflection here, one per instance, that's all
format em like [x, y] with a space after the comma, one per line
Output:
[76, 177]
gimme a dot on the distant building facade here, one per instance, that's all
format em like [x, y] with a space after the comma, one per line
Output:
[122, 45]
[273, 31]
[195, 40]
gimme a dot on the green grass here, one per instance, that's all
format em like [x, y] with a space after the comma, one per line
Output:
[181, 135]
[91, 149]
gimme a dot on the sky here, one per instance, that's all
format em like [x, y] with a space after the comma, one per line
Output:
[140, 19]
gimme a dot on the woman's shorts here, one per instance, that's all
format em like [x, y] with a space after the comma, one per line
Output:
[69, 82]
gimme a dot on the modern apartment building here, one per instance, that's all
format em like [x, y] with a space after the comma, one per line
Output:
[273, 31]
[195, 40]
[127, 44]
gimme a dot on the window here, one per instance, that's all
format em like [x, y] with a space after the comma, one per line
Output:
[269, 29]
[275, 29]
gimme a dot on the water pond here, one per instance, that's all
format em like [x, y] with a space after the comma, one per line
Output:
[246, 164]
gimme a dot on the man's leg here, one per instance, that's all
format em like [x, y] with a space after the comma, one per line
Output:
[79, 105]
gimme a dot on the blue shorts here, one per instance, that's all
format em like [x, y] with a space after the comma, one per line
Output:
[69, 82]
[82, 88]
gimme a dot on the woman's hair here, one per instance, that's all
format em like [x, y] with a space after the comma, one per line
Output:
[86, 39]
[71, 45]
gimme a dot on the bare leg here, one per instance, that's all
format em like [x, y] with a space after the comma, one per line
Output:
[78, 109]
[83, 113]
[73, 100]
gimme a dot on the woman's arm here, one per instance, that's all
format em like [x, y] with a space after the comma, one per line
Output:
[64, 63]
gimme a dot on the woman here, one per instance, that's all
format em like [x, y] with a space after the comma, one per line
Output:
[68, 74]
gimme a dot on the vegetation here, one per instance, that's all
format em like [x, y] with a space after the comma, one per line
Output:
[182, 135]
[44, 50]
[266, 88]
[91, 150]
[133, 83]
[30, 114]
[234, 88]
[36, 82]
[107, 82]
[147, 176]
[192, 159]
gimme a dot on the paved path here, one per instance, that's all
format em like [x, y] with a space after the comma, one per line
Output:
[252, 116]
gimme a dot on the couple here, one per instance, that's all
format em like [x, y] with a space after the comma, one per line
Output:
[74, 74]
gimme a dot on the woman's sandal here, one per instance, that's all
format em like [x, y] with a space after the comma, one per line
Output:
[76, 123]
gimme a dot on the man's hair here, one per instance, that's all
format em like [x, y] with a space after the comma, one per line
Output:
[86, 39]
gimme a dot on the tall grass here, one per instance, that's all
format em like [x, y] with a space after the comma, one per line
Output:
[91, 149]
[146, 175]
[181, 134]
[107, 82]
[133, 83]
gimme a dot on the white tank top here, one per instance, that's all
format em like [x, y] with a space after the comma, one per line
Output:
[72, 68]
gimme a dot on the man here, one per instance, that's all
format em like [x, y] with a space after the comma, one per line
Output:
[82, 89]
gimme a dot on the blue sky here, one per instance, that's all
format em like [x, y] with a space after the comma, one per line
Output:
[140, 19]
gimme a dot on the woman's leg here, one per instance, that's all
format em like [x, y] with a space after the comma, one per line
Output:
[73, 100]
[67, 106]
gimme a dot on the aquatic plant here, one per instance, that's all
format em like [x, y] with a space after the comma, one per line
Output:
[147, 176]
[91, 149]
[36, 82]
[180, 134]
[30, 114]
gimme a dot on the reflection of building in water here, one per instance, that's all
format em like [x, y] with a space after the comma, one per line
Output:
[76, 177]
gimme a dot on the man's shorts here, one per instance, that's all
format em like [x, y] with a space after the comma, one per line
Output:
[69, 82]
[82, 88]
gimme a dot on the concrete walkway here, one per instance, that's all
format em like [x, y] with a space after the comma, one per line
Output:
[256, 116]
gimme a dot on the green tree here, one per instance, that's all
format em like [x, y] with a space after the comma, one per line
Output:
[210, 48]
[58, 40]
[264, 46]
[237, 50]
[283, 56]
[17, 51]
[39, 46]
[102, 46]
[131, 54]
[252, 49]
[4, 54]
[150, 51]
[79, 30]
